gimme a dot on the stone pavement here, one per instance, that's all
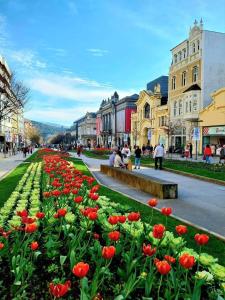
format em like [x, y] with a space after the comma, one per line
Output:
[10, 162]
[199, 203]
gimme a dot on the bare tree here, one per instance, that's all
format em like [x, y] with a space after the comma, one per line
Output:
[14, 96]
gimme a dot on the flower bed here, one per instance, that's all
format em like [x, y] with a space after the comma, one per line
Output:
[79, 245]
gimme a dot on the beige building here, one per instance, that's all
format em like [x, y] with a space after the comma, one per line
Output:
[197, 70]
[149, 123]
[213, 120]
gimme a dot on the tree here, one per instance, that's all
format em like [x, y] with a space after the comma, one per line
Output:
[14, 96]
[33, 134]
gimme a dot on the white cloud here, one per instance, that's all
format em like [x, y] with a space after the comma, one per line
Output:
[97, 52]
[27, 58]
[57, 51]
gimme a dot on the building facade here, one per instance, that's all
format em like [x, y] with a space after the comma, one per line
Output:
[84, 130]
[113, 121]
[197, 70]
[213, 120]
[149, 125]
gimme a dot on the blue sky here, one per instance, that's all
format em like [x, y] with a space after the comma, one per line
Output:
[74, 53]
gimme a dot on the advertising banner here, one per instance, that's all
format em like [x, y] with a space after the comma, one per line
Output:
[219, 130]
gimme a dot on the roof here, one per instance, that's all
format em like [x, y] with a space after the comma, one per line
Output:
[163, 81]
[194, 87]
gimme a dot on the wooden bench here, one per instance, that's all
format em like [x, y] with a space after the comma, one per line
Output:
[160, 188]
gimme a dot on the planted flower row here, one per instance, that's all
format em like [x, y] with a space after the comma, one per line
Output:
[83, 246]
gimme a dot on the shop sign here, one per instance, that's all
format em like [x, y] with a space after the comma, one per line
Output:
[220, 130]
[196, 134]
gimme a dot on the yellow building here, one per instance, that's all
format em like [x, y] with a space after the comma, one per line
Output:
[213, 120]
[197, 69]
[149, 123]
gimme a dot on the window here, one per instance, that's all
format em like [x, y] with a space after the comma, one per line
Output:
[186, 106]
[184, 53]
[193, 48]
[180, 56]
[190, 106]
[175, 108]
[195, 74]
[198, 45]
[195, 105]
[183, 79]
[175, 58]
[180, 107]
[174, 83]
[147, 111]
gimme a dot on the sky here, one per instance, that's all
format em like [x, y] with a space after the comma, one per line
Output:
[72, 54]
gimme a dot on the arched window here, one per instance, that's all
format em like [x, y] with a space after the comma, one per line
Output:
[184, 53]
[193, 48]
[147, 111]
[180, 107]
[198, 45]
[195, 74]
[175, 108]
[174, 83]
[184, 78]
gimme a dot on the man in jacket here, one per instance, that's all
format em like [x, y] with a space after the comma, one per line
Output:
[158, 156]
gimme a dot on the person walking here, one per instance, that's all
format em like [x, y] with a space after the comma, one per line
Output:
[112, 158]
[143, 149]
[137, 157]
[222, 154]
[158, 156]
[207, 154]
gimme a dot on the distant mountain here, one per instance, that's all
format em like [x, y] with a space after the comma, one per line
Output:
[47, 129]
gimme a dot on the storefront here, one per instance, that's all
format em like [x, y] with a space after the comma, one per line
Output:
[214, 135]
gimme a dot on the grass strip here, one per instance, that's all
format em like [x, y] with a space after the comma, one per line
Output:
[215, 247]
[8, 184]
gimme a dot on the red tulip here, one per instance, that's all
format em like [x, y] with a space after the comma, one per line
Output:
[114, 235]
[56, 193]
[93, 215]
[27, 220]
[163, 267]
[29, 228]
[181, 229]
[152, 202]
[80, 269]
[187, 261]
[96, 236]
[46, 194]
[40, 215]
[201, 239]
[108, 252]
[95, 188]
[166, 211]
[74, 192]
[34, 246]
[78, 199]
[148, 250]
[62, 212]
[60, 289]
[158, 231]
[22, 213]
[122, 219]
[1, 246]
[66, 191]
[170, 259]
[94, 196]
[133, 216]
[113, 220]
[56, 215]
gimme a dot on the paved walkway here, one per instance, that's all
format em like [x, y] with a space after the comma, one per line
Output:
[201, 203]
[9, 163]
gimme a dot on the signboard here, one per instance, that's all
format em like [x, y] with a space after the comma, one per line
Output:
[219, 130]
[196, 134]
[149, 134]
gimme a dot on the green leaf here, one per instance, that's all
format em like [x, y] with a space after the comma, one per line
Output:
[120, 297]
[17, 283]
[36, 254]
[62, 259]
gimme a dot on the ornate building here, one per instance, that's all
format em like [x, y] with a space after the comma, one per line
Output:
[84, 129]
[197, 70]
[149, 123]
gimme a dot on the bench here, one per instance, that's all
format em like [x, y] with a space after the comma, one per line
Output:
[152, 185]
